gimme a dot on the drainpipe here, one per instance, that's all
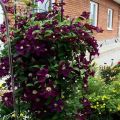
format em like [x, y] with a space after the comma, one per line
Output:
[10, 57]
[62, 9]
[119, 23]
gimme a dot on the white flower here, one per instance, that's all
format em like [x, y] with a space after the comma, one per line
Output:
[48, 89]
[37, 47]
[30, 75]
[47, 75]
[6, 98]
[21, 47]
[34, 92]
[3, 67]
[53, 36]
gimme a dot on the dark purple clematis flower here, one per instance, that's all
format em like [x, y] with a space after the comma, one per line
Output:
[85, 15]
[31, 95]
[80, 116]
[7, 99]
[85, 102]
[49, 90]
[9, 83]
[85, 79]
[41, 16]
[23, 47]
[32, 29]
[65, 29]
[118, 63]
[93, 28]
[41, 75]
[21, 23]
[57, 106]
[2, 28]
[5, 1]
[53, 37]
[39, 1]
[38, 106]
[99, 30]
[64, 69]
[40, 49]
[31, 34]
[10, 9]
[4, 66]
[92, 73]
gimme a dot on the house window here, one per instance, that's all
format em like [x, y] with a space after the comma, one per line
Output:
[43, 7]
[1, 15]
[93, 13]
[110, 19]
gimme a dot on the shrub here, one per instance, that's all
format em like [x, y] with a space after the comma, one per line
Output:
[105, 99]
[109, 73]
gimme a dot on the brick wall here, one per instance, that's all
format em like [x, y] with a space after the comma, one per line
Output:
[102, 19]
[20, 9]
[75, 7]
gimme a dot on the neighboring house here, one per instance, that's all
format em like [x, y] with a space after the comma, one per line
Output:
[103, 13]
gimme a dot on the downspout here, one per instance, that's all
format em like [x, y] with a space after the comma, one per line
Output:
[118, 22]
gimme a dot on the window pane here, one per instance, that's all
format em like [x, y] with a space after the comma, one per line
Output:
[1, 15]
[93, 13]
[42, 7]
[109, 19]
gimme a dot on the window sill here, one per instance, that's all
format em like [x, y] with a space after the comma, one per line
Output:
[109, 29]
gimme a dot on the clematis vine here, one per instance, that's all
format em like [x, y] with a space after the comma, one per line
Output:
[50, 61]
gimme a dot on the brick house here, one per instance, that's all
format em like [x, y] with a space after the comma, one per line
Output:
[104, 13]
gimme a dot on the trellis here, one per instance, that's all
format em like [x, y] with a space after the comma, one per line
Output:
[9, 54]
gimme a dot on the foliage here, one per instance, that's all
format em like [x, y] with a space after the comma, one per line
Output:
[105, 98]
[109, 73]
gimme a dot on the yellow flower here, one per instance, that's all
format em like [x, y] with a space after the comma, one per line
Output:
[114, 91]
[13, 115]
[104, 104]
[21, 114]
[95, 107]
[104, 97]
[27, 2]
[97, 103]
[118, 108]
[63, 96]
[92, 106]
[110, 110]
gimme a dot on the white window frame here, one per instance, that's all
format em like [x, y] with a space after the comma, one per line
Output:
[109, 19]
[43, 7]
[94, 13]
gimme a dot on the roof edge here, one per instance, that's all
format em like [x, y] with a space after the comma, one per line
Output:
[117, 1]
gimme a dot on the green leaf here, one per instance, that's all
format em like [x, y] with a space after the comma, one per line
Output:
[48, 33]
[30, 85]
